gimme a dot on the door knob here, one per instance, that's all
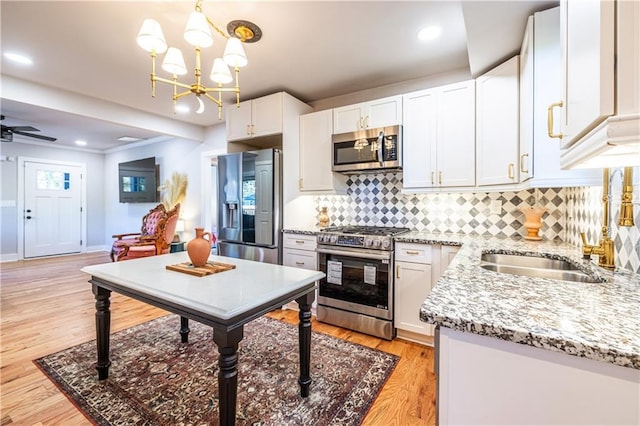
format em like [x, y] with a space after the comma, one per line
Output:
[28, 217]
[28, 210]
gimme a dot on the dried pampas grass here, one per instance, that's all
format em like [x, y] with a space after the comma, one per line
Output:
[174, 190]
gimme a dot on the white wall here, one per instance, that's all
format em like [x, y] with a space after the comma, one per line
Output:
[173, 155]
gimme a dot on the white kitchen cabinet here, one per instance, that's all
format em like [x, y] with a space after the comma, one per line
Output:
[527, 99]
[486, 380]
[497, 138]
[367, 115]
[299, 251]
[417, 268]
[600, 106]
[439, 137]
[447, 253]
[541, 86]
[412, 286]
[588, 55]
[315, 154]
[256, 117]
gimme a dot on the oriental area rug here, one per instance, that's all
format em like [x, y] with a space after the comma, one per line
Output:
[154, 379]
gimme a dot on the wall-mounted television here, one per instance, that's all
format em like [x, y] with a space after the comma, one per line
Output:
[138, 181]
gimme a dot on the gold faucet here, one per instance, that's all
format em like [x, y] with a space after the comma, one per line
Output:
[605, 250]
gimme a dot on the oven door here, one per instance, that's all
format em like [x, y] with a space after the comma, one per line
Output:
[356, 280]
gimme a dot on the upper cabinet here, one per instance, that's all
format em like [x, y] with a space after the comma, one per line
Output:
[315, 154]
[588, 54]
[497, 108]
[438, 135]
[379, 113]
[600, 104]
[541, 87]
[256, 117]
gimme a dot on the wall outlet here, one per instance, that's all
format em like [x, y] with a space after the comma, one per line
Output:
[495, 207]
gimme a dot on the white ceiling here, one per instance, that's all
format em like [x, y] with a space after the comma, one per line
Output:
[312, 49]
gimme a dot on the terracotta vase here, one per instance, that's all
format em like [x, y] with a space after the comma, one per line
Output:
[532, 222]
[199, 248]
[323, 218]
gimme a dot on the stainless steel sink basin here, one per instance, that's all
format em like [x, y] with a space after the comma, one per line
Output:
[534, 266]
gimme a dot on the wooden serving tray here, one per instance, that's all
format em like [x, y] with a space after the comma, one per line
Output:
[201, 271]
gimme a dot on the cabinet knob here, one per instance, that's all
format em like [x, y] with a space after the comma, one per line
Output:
[550, 120]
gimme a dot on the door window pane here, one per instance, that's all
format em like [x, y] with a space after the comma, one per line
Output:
[50, 180]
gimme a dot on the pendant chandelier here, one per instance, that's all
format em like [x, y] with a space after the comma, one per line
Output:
[198, 34]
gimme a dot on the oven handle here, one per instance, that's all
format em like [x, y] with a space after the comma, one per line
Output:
[376, 256]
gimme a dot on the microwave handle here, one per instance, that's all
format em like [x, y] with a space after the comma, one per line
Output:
[380, 147]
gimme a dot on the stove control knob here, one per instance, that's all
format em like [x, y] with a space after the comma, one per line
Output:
[377, 243]
[367, 242]
[386, 244]
[334, 239]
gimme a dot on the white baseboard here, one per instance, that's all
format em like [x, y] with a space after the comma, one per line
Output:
[92, 249]
[8, 257]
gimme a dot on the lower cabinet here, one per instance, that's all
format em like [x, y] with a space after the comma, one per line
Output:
[299, 251]
[417, 269]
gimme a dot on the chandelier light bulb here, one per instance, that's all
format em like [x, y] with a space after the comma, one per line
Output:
[151, 38]
[174, 62]
[197, 32]
[220, 72]
[234, 54]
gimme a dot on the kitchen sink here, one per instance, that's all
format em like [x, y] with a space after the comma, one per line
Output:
[535, 266]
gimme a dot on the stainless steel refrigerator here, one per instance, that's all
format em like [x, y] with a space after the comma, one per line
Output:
[250, 205]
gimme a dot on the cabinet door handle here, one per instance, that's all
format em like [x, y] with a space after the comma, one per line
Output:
[550, 120]
[253, 129]
[299, 241]
[361, 123]
[433, 181]
[412, 252]
[248, 129]
[300, 263]
[523, 163]
[511, 171]
[440, 178]
[300, 183]
[366, 122]
[398, 271]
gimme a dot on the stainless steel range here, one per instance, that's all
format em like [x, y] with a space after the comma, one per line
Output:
[357, 292]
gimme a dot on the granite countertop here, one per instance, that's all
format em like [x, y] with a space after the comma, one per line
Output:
[302, 231]
[592, 320]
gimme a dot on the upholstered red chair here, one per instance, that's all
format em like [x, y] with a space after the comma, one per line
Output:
[155, 236]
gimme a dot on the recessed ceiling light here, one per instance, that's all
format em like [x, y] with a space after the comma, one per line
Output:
[429, 33]
[18, 58]
[81, 143]
[128, 139]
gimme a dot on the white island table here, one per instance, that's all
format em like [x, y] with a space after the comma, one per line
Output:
[226, 301]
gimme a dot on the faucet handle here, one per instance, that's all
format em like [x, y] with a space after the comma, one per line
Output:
[587, 249]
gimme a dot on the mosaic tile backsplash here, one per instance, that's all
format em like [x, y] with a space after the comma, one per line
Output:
[377, 200]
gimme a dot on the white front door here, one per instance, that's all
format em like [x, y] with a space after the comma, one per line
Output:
[52, 209]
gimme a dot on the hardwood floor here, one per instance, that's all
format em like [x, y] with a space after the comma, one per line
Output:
[46, 305]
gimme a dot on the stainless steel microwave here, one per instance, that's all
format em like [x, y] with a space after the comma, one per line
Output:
[367, 149]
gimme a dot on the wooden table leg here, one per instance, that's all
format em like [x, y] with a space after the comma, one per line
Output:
[184, 329]
[227, 341]
[103, 329]
[304, 341]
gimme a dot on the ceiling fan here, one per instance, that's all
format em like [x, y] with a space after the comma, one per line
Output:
[7, 132]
